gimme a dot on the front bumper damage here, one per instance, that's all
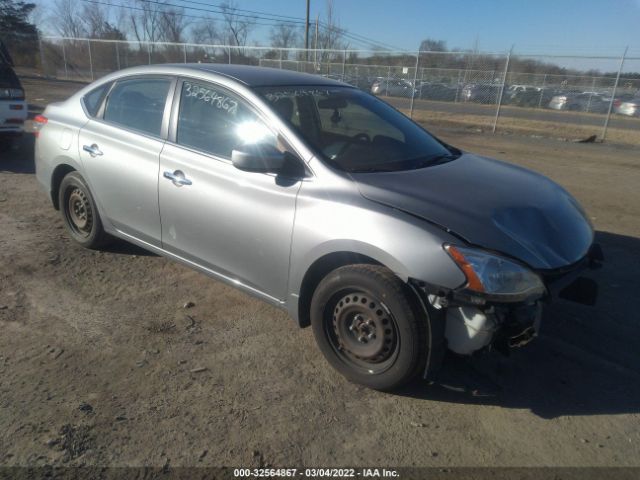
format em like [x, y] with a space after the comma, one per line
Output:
[471, 322]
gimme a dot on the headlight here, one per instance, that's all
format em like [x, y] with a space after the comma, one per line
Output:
[495, 276]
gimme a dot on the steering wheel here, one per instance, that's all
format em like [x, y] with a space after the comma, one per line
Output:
[357, 138]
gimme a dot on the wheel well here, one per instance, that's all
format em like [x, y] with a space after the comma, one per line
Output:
[56, 179]
[317, 271]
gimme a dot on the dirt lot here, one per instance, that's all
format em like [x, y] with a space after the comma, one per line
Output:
[100, 364]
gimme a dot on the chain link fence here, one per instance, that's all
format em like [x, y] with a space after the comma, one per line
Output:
[531, 94]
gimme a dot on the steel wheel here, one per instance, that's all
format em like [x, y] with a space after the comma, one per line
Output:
[363, 332]
[80, 213]
[369, 326]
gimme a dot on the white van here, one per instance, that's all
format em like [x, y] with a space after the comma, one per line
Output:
[13, 107]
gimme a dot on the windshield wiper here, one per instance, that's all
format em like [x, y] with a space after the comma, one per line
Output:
[412, 164]
[434, 160]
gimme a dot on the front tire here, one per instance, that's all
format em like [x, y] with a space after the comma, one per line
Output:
[369, 327]
[79, 212]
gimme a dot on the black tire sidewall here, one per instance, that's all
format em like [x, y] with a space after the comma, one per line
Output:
[96, 237]
[412, 344]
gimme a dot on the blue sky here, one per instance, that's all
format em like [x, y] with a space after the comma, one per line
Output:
[600, 27]
[540, 26]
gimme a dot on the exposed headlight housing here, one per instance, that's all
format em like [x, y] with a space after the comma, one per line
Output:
[495, 277]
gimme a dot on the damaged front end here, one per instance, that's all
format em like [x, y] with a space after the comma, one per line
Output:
[500, 305]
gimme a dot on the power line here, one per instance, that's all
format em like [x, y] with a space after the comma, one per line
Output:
[240, 9]
[267, 21]
[130, 7]
[219, 11]
[262, 14]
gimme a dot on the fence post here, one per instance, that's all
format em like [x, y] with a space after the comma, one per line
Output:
[41, 53]
[544, 82]
[280, 59]
[458, 87]
[613, 94]
[118, 55]
[90, 59]
[184, 52]
[593, 87]
[64, 59]
[344, 63]
[386, 90]
[415, 79]
[504, 80]
[229, 55]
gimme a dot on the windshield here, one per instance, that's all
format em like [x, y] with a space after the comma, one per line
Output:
[354, 131]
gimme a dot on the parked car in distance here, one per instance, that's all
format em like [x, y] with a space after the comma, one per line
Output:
[630, 107]
[320, 199]
[481, 92]
[13, 107]
[393, 88]
[529, 97]
[580, 102]
[436, 91]
[621, 98]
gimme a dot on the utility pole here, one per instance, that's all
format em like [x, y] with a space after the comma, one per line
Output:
[306, 33]
[316, 45]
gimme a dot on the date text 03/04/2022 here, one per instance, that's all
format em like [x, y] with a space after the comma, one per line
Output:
[316, 472]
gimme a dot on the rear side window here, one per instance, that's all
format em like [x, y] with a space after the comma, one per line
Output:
[93, 99]
[216, 121]
[138, 104]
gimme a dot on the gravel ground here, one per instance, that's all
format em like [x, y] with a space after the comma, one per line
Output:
[102, 364]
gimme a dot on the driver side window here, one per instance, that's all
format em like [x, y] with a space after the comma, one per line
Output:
[215, 121]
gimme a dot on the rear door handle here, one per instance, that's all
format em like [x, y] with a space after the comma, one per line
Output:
[177, 178]
[92, 150]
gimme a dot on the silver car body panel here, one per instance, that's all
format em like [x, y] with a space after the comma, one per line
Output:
[253, 230]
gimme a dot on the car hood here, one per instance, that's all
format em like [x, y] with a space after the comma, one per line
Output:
[491, 204]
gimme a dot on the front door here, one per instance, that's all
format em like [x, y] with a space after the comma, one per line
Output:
[237, 224]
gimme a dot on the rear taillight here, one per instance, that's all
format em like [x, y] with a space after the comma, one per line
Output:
[38, 122]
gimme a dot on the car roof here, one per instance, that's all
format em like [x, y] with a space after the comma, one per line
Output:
[8, 78]
[254, 76]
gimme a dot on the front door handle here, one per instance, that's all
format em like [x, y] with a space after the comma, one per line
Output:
[92, 150]
[177, 178]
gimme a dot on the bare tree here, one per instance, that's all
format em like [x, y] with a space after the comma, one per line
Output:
[236, 28]
[206, 31]
[285, 35]
[173, 25]
[146, 21]
[95, 19]
[431, 45]
[67, 19]
[331, 36]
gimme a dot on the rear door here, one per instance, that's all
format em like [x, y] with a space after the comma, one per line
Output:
[120, 151]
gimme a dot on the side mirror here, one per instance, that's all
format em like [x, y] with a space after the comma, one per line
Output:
[260, 158]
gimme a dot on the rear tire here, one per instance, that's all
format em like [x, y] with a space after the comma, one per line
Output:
[369, 326]
[79, 212]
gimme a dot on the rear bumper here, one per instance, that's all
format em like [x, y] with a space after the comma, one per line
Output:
[13, 114]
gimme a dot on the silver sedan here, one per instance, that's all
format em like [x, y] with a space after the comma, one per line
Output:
[323, 200]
